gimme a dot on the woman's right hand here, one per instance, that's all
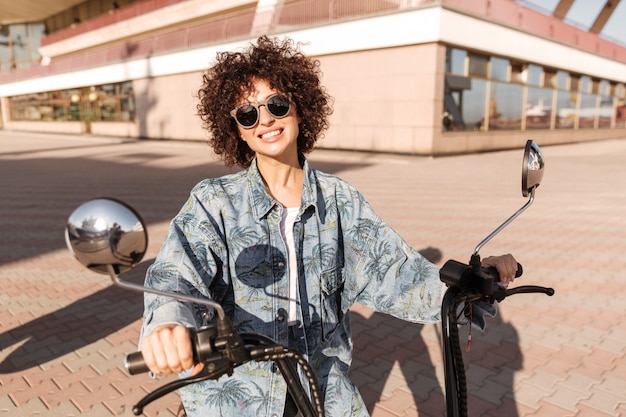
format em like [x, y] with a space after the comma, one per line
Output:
[168, 350]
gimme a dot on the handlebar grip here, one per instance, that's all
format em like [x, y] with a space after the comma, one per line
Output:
[135, 364]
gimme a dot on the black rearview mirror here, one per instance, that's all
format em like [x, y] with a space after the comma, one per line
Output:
[532, 168]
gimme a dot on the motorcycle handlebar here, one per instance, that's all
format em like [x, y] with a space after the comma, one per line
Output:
[471, 276]
[135, 364]
[221, 350]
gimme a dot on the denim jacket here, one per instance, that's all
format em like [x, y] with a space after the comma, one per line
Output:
[225, 245]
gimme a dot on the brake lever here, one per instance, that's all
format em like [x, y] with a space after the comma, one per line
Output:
[212, 370]
[500, 293]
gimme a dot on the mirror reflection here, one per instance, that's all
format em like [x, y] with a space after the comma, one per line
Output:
[532, 168]
[105, 232]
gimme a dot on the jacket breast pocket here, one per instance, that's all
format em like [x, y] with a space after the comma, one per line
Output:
[331, 290]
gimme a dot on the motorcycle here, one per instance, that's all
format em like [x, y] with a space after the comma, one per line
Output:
[109, 237]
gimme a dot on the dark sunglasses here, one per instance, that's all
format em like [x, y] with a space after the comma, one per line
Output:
[247, 115]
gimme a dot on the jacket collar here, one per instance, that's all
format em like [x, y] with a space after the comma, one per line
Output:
[263, 202]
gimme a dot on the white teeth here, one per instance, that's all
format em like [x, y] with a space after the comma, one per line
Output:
[270, 134]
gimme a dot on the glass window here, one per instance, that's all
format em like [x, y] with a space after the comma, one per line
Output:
[505, 106]
[74, 110]
[565, 110]
[585, 84]
[455, 61]
[562, 78]
[606, 88]
[19, 43]
[535, 75]
[464, 103]
[605, 113]
[620, 105]
[477, 66]
[574, 83]
[525, 95]
[36, 32]
[110, 102]
[499, 69]
[607, 104]
[539, 108]
[620, 91]
[5, 53]
[588, 111]
[127, 102]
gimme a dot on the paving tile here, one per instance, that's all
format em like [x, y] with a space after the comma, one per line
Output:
[434, 406]
[566, 397]
[547, 409]
[510, 408]
[604, 402]
[530, 395]
[7, 406]
[398, 403]
[65, 409]
[586, 411]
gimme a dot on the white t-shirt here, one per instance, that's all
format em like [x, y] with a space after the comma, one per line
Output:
[286, 230]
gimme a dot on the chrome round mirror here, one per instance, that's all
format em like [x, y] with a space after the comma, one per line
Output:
[532, 168]
[106, 231]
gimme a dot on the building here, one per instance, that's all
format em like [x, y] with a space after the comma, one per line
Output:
[408, 76]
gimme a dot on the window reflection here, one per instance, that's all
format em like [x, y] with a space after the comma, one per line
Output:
[492, 93]
[587, 114]
[499, 69]
[464, 103]
[110, 102]
[565, 109]
[478, 65]
[5, 55]
[455, 61]
[620, 105]
[505, 106]
[19, 45]
[539, 108]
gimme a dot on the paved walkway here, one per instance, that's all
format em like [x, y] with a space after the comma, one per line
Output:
[64, 330]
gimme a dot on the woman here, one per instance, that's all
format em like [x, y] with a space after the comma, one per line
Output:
[284, 248]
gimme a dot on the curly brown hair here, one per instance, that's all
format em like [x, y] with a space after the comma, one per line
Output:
[286, 69]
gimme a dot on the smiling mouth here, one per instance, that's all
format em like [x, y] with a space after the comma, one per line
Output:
[271, 134]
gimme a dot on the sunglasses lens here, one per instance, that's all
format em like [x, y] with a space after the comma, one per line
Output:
[247, 115]
[278, 105]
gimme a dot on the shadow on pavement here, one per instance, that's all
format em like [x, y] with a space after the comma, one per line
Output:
[75, 326]
[39, 194]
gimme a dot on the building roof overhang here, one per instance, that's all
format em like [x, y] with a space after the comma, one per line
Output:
[32, 10]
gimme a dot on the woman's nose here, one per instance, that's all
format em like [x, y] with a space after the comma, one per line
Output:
[265, 117]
